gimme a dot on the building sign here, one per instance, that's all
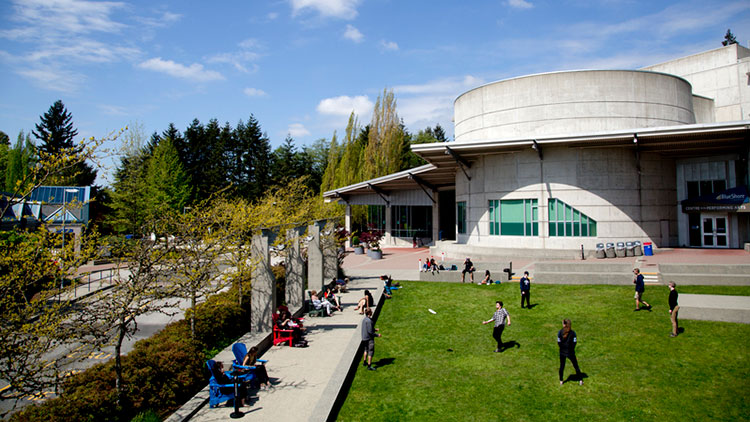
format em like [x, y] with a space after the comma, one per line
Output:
[731, 200]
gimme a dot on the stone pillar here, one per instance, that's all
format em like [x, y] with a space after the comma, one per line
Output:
[388, 239]
[314, 259]
[263, 299]
[295, 273]
[348, 224]
[330, 254]
[436, 219]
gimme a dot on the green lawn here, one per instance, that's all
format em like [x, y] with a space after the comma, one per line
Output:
[442, 367]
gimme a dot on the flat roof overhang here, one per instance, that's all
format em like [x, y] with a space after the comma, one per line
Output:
[428, 177]
[674, 141]
[443, 158]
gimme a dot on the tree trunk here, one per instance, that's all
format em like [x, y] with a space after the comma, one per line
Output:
[192, 314]
[118, 363]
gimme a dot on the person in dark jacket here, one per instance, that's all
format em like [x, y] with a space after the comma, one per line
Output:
[368, 339]
[566, 340]
[640, 286]
[673, 308]
[468, 268]
[526, 289]
[222, 378]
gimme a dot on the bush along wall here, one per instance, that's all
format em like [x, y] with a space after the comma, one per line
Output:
[160, 373]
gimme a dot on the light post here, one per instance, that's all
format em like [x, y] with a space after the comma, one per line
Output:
[65, 217]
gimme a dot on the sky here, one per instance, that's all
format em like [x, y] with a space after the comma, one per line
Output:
[300, 67]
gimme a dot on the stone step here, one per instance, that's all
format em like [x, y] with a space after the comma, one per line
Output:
[735, 269]
[707, 279]
[715, 308]
[582, 278]
[584, 267]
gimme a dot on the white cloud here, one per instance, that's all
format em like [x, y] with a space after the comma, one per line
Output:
[344, 105]
[240, 59]
[272, 16]
[388, 45]
[343, 9]
[65, 17]
[297, 130]
[254, 92]
[194, 72]
[113, 110]
[353, 34]
[53, 79]
[520, 4]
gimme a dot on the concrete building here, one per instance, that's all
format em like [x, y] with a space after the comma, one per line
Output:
[564, 160]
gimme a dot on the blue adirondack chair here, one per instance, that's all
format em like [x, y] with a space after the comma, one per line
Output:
[216, 397]
[240, 350]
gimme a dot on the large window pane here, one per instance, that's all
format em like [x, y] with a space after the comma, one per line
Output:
[567, 221]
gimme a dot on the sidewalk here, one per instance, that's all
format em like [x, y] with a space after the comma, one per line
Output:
[306, 381]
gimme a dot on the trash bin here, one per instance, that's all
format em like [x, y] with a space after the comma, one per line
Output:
[637, 250]
[600, 253]
[610, 250]
[620, 250]
[629, 249]
[648, 249]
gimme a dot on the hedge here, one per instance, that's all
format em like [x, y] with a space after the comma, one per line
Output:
[160, 373]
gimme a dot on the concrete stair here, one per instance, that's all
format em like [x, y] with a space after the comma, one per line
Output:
[715, 308]
[582, 273]
[706, 274]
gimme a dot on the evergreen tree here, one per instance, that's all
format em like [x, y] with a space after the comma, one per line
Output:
[129, 197]
[250, 157]
[439, 133]
[729, 39]
[56, 134]
[315, 160]
[168, 185]
[285, 165]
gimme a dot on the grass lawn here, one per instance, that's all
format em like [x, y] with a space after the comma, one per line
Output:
[442, 367]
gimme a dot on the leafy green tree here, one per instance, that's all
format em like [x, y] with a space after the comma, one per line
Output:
[331, 172]
[384, 152]
[129, 197]
[315, 160]
[20, 160]
[56, 134]
[729, 39]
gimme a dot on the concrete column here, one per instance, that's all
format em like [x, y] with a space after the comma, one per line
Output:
[295, 273]
[435, 218]
[314, 259]
[388, 239]
[330, 254]
[263, 299]
[348, 224]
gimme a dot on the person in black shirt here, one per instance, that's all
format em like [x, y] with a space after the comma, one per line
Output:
[566, 340]
[526, 289]
[673, 308]
[468, 268]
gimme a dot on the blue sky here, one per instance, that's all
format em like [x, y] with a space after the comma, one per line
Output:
[301, 66]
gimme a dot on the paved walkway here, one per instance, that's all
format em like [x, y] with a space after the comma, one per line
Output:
[308, 380]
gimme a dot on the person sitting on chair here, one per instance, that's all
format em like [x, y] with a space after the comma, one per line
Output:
[320, 303]
[222, 378]
[251, 359]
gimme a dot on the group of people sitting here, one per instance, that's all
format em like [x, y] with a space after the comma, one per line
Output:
[250, 364]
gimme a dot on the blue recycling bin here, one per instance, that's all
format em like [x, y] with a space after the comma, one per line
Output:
[648, 249]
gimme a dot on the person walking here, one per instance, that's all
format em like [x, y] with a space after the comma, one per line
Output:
[640, 286]
[368, 339]
[499, 317]
[566, 340]
[673, 308]
[526, 289]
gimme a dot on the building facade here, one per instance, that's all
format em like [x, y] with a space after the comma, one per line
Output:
[564, 160]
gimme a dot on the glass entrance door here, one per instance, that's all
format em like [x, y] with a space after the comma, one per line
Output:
[714, 232]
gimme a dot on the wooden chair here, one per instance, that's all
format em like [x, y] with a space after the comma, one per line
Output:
[281, 336]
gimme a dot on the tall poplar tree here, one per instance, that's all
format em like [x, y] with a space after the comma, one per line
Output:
[384, 152]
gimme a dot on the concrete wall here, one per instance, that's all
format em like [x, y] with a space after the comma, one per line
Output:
[572, 102]
[720, 74]
[602, 183]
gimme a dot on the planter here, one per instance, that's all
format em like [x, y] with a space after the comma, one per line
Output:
[359, 250]
[375, 253]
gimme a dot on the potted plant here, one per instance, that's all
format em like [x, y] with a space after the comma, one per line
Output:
[372, 239]
[358, 248]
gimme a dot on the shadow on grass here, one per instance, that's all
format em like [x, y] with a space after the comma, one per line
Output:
[384, 362]
[509, 345]
[575, 378]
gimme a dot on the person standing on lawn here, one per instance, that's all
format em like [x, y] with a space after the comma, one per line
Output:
[526, 289]
[673, 308]
[368, 339]
[499, 317]
[566, 340]
[640, 286]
